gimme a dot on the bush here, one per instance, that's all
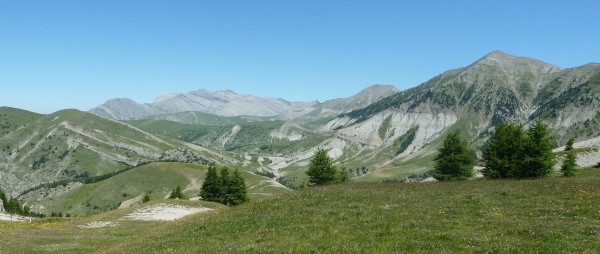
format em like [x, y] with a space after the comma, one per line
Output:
[176, 193]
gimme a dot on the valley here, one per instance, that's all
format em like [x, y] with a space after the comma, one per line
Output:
[95, 167]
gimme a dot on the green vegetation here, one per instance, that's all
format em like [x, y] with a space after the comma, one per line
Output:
[146, 197]
[569, 165]
[454, 160]
[385, 126]
[513, 153]
[550, 215]
[503, 157]
[321, 170]
[157, 178]
[224, 189]
[176, 193]
[211, 189]
[13, 206]
[253, 137]
[68, 145]
[405, 140]
[154, 180]
[538, 157]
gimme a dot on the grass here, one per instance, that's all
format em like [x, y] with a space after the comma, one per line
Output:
[551, 215]
[160, 178]
[40, 149]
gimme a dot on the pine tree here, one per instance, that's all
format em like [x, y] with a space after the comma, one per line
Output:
[455, 160]
[343, 175]
[224, 182]
[236, 192]
[224, 188]
[146, 197]
[538, 156]
[503, 157]
[211, 187]
[176, 193]
[321, 170]
[569, 165]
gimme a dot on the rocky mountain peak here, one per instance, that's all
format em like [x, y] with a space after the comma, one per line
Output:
[513, 65]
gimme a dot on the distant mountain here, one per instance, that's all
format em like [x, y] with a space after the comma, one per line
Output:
[185, 107]
[379, 133]
[222, 103]
[401, 129]
[335, 107]
[395, 134]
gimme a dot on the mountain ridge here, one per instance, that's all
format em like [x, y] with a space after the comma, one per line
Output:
[230, 104]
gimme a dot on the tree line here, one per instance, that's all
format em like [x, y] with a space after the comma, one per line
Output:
[512, 153]
[13, 206]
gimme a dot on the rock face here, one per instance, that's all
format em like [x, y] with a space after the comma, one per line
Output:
[228, 103]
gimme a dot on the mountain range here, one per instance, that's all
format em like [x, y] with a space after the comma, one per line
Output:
[380, 133]
[230, 104]
[398, 135]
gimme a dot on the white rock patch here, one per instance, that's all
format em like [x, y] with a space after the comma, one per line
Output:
[97, 224]
[164, 212]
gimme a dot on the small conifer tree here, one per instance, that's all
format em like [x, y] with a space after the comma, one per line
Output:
[455, 160]
[211, 189]
[503, 157]
[176, 193]
[321, 170]
[569, 165]
[538, 157]
[146, 197]
[236, 192]
[224, 181]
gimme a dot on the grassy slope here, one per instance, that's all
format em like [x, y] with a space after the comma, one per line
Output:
[159, 178]
[552, 215]
[45, 148]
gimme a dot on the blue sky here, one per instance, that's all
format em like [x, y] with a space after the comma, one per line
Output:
[78, 54]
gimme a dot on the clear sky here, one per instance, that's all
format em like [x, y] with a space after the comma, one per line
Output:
[78, 54]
